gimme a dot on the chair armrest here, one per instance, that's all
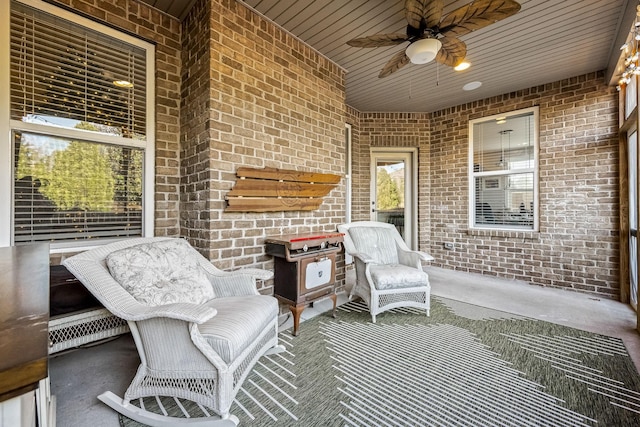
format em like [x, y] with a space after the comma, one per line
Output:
[188, 312]
[413, 258]
[257, 273]
[425, 256]
[232, 284]
[363, 257]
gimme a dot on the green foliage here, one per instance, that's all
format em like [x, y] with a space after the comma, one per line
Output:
[81, 179]
[388, 194]
[83, 176]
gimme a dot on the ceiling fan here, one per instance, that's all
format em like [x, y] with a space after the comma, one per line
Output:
[432, 36]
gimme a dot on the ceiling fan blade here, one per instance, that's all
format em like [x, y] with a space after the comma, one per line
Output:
[476, 15]
[452, 52]
[417, 10]
[398, 61]
[378, 40]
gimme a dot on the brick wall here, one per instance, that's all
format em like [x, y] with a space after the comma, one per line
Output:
[252, 95]
[269, 101]
[397, 130]
[195, 140]
[577, 245]
[149, 24]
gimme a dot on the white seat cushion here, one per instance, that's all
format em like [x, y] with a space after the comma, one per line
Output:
[395, 276]
[238, 323]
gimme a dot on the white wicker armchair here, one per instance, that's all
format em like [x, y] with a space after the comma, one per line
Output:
[196, 351]
[388, 273]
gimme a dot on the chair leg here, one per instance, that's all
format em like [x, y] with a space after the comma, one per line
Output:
[156, 420]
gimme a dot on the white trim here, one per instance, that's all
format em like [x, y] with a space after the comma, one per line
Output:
[348, 259]
[149, 171]
[76, 134]
[5, 127]
[536, 180]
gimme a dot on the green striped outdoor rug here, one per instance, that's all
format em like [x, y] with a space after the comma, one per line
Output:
[463, 366]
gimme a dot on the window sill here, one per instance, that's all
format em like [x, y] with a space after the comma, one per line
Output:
[509, 234]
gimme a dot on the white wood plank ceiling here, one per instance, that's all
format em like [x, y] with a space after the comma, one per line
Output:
[548, 40]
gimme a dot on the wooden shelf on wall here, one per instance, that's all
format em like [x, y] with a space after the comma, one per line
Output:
[274, 190]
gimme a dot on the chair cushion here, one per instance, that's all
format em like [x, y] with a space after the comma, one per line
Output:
[376, 242]
[238, 323]
[395, 276]
[162, 272]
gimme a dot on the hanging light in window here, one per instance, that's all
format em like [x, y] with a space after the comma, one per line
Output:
[123, 83]
[502, 133]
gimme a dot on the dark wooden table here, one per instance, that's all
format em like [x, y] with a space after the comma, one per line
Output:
[24, 318]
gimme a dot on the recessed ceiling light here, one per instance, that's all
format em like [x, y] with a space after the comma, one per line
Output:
[472, 86]
[462, 66]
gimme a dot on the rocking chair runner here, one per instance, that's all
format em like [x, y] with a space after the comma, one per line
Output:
[198, 330]
[388, 273]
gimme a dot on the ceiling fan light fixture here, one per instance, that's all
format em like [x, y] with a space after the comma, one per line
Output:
[423, 51]
[462, 66]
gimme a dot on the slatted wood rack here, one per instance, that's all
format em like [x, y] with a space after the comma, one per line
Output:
[272, 190]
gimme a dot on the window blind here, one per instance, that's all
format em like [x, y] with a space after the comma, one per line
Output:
[68, 190]
[61, 70]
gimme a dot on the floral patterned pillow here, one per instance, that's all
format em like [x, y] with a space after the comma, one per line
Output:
[160, 273]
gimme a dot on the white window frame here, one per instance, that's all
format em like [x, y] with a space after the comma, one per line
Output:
[7, 126]
[472, 174]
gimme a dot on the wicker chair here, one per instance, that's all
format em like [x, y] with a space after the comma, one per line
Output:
[388, 273]
[201, 352]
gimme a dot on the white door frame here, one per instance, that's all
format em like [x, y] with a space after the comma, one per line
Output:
[632, 149]
[410, 157]
[348, 259]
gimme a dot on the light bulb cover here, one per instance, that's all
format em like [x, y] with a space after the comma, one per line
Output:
[462, 66]
[423, 50]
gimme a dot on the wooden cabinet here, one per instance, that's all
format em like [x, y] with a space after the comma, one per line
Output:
[24, 343]
[304, 269]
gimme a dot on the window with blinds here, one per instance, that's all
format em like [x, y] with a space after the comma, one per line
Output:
[65, 75]
[503, 171]
[78, 106]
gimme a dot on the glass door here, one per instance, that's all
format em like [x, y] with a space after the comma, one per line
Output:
[632, 143]
[392, 191]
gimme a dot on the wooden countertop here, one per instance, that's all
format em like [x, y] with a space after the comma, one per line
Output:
[24, 318]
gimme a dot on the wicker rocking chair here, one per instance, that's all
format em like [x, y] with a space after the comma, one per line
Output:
[388, 273]
[198, 330]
